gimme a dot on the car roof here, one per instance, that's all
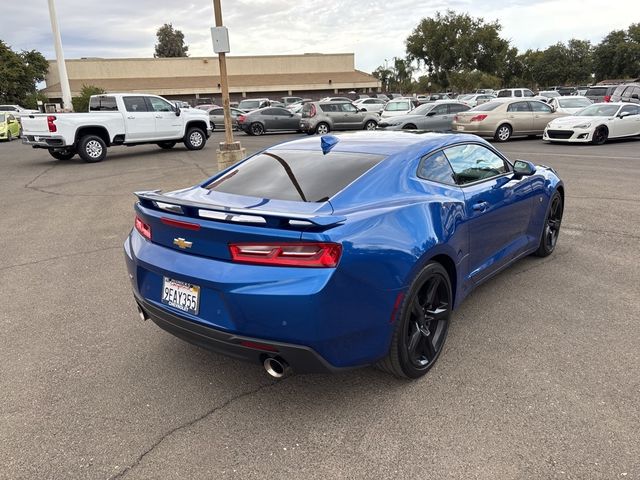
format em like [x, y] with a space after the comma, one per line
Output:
[380, 142]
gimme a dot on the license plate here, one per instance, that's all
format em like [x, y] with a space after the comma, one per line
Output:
[460, 127]
[181, 295]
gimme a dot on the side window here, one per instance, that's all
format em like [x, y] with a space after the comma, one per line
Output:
[348, 108]
[472, 163]
[159, 105]
[134, 104]
[440, 110]
[103, 104]
[218, 111]
[518, 107]
[329, 107]
[528, 93]
[540, 107]
[436, 168]
[456, 108]
[633, 109]
[517, 93]
[270, 111]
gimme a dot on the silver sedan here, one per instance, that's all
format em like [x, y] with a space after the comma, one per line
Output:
[436, 116]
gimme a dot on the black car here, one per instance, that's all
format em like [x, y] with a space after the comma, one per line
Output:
[600, 93]
[269, 119]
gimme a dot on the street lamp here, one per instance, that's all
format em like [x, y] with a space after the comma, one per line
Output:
[62, 67]
[229, 152]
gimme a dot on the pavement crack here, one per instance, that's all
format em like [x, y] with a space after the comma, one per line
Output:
[34, 179]
[49, 259]
[188, 424]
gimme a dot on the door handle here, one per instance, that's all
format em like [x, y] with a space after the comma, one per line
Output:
[131, 117]
[158, 116]
[481, 206]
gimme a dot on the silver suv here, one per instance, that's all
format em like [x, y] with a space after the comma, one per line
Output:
[322, 117]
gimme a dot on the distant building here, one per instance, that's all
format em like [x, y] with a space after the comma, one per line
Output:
[197, 79]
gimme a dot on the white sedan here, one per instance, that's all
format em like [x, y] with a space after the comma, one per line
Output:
[570, 105]
[596, 124]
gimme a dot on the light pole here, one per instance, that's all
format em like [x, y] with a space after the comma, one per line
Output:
[62, 67]
[229, 152]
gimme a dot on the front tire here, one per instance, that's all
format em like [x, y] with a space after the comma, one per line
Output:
[195, 139]
[166, 145]
[62, 154]
[600, 135]
[422, 324]
[370, 125]
[9, 138]
[503, 133]
[551, 229]
[92, 148]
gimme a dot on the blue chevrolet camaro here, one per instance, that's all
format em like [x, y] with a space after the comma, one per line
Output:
[327, 253]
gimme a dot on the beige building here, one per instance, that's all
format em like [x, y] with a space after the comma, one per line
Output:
[197, 79]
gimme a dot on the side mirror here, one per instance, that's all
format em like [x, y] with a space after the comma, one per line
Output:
[635, 96]
[362, 110]
[624, 114]
[553, 108]
[431, 113]
[177, 111]
[523, 168]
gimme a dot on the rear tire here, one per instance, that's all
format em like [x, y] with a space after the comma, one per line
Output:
[322, 128]
[503, 133]
[62, 154]
[422, 324]
[166, 145]
[195, 139]
[256, 129]
[92, 149]
[370, 125]
[409, 126]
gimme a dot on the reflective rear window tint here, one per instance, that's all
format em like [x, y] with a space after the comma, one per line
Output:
[295, 175]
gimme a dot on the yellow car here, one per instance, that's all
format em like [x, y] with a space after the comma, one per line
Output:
[9, 126]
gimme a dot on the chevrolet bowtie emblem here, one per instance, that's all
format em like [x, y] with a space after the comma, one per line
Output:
[182, 243]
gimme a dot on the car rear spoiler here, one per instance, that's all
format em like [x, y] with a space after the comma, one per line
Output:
[181, 206]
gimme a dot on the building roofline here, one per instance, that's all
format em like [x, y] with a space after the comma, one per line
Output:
[137, 59]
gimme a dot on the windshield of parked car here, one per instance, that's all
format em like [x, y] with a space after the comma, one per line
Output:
[397, 106]
[486, 107]
[599, 110]
[247, 104]
[295, 175]
[568, 102]
[550, 94]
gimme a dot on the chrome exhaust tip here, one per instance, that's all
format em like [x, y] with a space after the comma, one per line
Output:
[276, 367]
[141, 313]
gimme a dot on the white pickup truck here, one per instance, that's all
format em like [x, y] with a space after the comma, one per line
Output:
[116, 119]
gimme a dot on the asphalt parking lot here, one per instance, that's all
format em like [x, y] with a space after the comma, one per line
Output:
[540, 376]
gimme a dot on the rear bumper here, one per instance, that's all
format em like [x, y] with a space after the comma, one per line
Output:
[302, 359]
[44, 141]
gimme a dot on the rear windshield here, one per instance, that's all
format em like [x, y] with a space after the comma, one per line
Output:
[295, 175]
[249, 104]
[597, 91]
[486, 107]
[103, 104]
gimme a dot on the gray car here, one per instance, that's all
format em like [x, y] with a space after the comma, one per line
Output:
[429, 116]
[216, 118]
[322, 117]
[600, 93]
[269, 119]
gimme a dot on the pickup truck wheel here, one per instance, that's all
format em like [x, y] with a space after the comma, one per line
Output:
[62, 154]
[92, 149]
[195, 139]
[167, 145]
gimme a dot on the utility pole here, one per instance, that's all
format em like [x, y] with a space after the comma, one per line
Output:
[229, 152]
[62, 67]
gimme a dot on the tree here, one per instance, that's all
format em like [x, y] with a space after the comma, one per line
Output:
[170, 42]
[20, 73]
[81, 103]
[383, 74]
[618, 55]
[457, 42]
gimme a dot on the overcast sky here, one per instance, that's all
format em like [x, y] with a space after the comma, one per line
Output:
[373, 29]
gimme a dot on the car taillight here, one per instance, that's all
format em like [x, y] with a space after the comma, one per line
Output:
[180, 224]
[50, 123]
[143, 228]
[309, 254]
[478, 118]
[607, 98]
[312, 111]
[456, 118]
[240, 118]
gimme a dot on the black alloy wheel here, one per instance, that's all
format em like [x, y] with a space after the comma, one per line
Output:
[423, 324]
[257, 129]
[600, 135]
[551, 229]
